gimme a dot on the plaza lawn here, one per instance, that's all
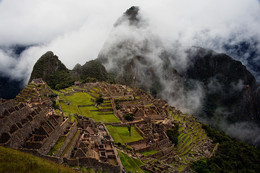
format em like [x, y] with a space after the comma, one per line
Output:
[130, 164]
[121, 134]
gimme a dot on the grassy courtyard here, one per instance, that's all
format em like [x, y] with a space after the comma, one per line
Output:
[121, 134]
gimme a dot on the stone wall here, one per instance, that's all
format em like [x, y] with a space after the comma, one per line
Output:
[85, 105]
[93, 163]
[68, 153]
[54, 136]
[136, 142]
[140, 131]
[69, 137]
[35, 153]
[20, 124]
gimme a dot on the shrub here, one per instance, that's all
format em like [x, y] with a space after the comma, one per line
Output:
[173, 134]
[129, 117]
[52, 95]
[99, 100]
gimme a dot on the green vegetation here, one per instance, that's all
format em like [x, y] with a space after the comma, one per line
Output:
[52, 71]
[130, 164]
[148, 153]
[232, 155]
[15, 161]
[99, 100]
[57, 146]
[129, 117]
[88, 111]
[173, 134]
[121, 134]
[92, 69]
[95, 115]
[70, 143]
[78, 99]
[52, 95]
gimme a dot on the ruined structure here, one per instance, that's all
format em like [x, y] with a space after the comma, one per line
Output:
[30, 123]
[94, 148]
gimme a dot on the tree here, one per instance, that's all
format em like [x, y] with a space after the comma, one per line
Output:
[129, 117]
[173, 134]
[99, 100]
[129, 129]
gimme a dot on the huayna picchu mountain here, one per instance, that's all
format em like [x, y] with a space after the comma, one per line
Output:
[57, 76]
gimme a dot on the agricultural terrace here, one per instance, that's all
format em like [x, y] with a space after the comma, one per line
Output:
[130, 164]
[83, 103]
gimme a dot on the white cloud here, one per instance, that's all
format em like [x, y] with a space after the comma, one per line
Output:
[77, 30]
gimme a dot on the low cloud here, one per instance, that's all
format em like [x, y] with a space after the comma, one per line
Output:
[76, 31]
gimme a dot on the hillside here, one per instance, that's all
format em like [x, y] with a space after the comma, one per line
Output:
[15, 161]
[231, 156]
[53, 71]
[57, 76]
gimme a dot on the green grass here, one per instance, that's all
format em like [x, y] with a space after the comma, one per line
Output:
[57, 146]
[15, 161]
[86, 111]
[130, 164]
[121, 134]
[147, 153]
[79, 99]
[70, 143]
[84, 99]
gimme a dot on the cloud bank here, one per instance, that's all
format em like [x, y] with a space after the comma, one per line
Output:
[77, 30]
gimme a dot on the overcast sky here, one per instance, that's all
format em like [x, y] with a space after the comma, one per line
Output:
[77, 30]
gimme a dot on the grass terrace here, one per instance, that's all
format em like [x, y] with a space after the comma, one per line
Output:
[66, 150]
[89, 110]
[121, 134]
[130, 164]
[57, 146]
[148, 153]
[92, 112]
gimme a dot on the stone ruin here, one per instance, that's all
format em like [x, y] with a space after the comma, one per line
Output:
[36, 128]
[95, 147]
[31, 125]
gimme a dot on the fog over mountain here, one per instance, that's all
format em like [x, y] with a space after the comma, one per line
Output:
[76, 31]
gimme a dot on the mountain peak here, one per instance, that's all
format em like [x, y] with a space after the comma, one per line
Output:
[131, 16]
